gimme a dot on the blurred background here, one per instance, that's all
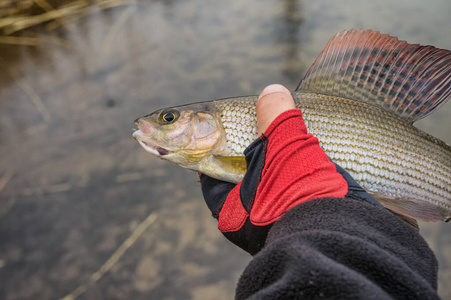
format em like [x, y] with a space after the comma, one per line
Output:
[85, 212]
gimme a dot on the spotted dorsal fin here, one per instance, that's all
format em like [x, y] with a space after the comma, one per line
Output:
[408, 80]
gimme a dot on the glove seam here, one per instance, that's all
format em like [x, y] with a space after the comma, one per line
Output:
[237, 228]
[215, 213]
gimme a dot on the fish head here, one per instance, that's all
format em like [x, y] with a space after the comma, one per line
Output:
[184, 135]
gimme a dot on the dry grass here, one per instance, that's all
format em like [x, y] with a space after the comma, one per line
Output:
[114, 258]
[18, 16]
[20, 20]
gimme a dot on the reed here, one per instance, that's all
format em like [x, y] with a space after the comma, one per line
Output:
[16, 16]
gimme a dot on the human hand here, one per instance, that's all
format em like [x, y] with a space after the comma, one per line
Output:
[285, 167]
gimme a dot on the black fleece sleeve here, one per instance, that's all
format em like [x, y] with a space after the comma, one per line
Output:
[334, 248]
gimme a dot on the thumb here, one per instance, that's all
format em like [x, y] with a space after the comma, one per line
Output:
[273, 100]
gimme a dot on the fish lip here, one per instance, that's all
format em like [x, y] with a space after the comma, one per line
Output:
[161, 151]
[149, 147]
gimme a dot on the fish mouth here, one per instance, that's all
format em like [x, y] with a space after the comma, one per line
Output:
[149, 147]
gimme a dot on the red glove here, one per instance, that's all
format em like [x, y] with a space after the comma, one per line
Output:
[285, 167]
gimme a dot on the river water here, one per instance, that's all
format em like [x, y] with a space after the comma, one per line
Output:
[84, 211]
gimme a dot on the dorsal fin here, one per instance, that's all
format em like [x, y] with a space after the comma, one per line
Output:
[364, 65]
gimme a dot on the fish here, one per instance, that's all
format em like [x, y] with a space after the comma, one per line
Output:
[360, 98]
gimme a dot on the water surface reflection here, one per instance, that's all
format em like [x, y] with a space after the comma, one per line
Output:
[74, 185]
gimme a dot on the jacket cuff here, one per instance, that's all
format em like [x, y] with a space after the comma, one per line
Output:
[338, 214]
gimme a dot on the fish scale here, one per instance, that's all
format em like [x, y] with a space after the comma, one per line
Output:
[384, 153]
[395, 155]
[240, 130]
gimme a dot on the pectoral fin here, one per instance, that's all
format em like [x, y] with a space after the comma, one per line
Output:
[415, 209]
[234, 166]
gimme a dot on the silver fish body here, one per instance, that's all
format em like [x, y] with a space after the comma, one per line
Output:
[360, 98]
[388, 156]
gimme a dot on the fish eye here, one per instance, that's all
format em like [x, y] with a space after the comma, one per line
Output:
[168, 117]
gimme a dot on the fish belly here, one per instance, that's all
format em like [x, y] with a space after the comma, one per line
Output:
[390, 158]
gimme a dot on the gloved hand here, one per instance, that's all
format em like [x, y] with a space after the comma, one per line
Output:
[285, 167]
